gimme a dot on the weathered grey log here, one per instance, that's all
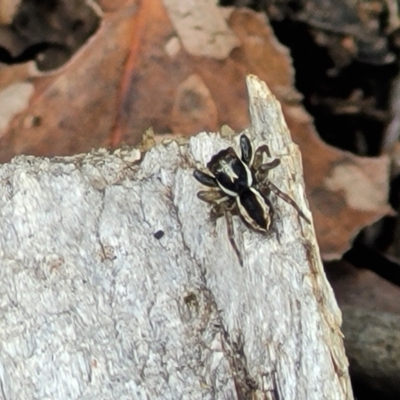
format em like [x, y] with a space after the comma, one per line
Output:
[94, 306]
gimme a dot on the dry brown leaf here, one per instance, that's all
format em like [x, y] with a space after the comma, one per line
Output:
[7, 10]
[182, 70]
[361, 288]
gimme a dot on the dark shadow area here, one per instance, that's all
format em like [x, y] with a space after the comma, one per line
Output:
[47, 32]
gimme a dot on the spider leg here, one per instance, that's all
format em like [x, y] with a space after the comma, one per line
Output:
[205, 179]
[231, 235]
[220, 202]
[286, 198]
[223, 205]
[246, 148]
[259, 156]
[262, 172]
[271, 165]
[212, 196]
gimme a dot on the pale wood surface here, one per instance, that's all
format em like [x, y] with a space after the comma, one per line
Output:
[95, 307]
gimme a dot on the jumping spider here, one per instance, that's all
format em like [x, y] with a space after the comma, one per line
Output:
[241, 186]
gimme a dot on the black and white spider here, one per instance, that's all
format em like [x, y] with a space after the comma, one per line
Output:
[241, 186]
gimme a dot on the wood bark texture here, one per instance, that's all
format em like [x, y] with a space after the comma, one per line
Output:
[94, 306]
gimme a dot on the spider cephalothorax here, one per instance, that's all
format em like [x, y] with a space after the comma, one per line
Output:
[241, 186]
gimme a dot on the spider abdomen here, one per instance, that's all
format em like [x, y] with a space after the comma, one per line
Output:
[255, 210]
